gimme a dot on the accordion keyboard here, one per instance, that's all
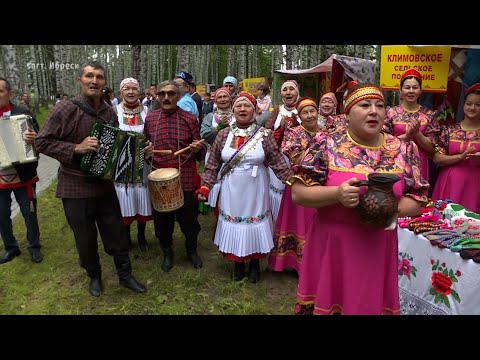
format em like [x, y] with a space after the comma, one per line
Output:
[13, 148]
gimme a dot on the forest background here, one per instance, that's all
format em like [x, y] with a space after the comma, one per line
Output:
[58, 285]
[45, 70]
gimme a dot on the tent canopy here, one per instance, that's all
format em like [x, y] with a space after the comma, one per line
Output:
[361, 70]
[325, 66]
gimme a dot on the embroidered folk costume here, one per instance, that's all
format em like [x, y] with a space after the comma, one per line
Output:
[293, 220]
[459, 182]
[334, 122]
[327, 107]
[348, 267]
[284, 116]
[244, 228]
[398, 120]
[134, 198]
[211, 125]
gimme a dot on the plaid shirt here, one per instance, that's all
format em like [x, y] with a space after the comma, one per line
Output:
[174, 131]
[273, 158]
[66, 126]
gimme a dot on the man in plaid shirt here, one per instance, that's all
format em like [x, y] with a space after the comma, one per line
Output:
[171, 128]
[88, 201]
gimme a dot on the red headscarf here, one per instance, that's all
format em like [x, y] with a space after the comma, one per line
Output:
[414, 73]
[222, 89]
[245, 96]
[472, 88]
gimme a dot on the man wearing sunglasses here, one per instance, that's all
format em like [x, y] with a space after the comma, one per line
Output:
[172, 128]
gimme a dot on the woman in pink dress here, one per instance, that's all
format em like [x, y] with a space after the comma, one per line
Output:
[411, 121]
[327, 107]
[348, 267]
[337, 121]
[293, 220]
[264, 101]
[458, 152]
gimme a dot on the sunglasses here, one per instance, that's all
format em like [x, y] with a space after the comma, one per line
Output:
[169, 93]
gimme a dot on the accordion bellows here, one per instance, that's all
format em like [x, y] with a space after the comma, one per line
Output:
[13, 149]
[120, 156]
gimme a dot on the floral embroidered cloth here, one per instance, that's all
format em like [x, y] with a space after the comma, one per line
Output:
[435, 281]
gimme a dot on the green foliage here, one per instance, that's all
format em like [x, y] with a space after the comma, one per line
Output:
[59, 286]
[264, 53]
[221, 64]
[42, 115]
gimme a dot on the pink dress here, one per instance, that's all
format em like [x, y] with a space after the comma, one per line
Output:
[398, 120]
[459, 182]
[348, 267]
[334, 122]
[293, 220]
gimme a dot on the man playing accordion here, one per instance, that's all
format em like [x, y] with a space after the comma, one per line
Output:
[88, 201]
[21, 180]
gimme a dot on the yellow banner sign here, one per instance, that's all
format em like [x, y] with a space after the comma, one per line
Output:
[251, 85]
[432, 62]
[201, 90]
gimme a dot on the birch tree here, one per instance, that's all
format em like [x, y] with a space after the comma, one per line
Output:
[159, 60]
[182, 58]
[231, 60]
[154, 63]
[135, 67]
[145, 77]
[10, 65]
[289, 57]
[277, 57]
[22, 52]
[241, 60]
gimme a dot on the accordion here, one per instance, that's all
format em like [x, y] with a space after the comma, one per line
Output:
[13, 149]
[120, 156]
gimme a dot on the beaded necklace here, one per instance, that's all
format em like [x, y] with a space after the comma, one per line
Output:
[220, 115]
[408, 111]
[243, 149]
[131, 116]
[243, 132]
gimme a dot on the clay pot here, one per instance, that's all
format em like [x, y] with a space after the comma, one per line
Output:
[378, 205]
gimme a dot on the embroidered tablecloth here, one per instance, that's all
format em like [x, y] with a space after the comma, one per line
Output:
[435, 281]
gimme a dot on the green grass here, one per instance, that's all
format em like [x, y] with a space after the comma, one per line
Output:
[42, 114]
[59, 286]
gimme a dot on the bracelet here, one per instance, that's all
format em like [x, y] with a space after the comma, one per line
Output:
[438, 149]
[290, 181]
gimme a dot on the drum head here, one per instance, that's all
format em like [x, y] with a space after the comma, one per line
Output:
[163, 174]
